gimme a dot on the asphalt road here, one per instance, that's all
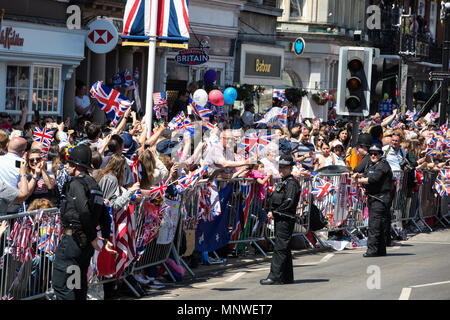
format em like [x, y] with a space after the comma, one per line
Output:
[416, 269]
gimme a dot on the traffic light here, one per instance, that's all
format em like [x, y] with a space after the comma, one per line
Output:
[354, 80]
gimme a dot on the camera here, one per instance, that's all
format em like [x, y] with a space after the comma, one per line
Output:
[405, 164]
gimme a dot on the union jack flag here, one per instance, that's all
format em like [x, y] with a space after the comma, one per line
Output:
[275, 117]
[187, 181]
[128, 80]
[160, 110]
[279, 94]
[444, 129]
[111, 101]
[410, 115]
[172, 22]
[177, 121]
[188, 126]
[43, 135]
[322, 188]
[159, 190]
[202, 113]
[255, 142]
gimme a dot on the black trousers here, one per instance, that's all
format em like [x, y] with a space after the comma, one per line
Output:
[378, 217]
[281, 267]
[70, 269]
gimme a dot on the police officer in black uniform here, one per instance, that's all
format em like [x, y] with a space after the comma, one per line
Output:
[378, 181]
[82, 211]
[363, 145]
[283, 204]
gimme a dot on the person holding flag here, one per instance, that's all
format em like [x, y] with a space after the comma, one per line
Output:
[378, 182]
[283, 206]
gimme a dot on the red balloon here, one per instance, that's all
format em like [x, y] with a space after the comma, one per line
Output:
[216, 98]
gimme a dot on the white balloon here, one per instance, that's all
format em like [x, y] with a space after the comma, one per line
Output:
[200, 97]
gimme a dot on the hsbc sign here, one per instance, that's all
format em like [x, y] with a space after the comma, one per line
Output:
[102, 36]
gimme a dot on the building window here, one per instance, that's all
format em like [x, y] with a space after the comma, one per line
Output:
[45, 89]
[17, 87]
[296, 9]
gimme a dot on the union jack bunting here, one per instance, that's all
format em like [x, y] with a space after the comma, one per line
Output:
[279, 94]
[172, 22]
[43, 135]
[21, 238]
[322, 188]
[111, 101]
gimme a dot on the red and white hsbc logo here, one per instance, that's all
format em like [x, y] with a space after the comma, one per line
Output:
[102, 36]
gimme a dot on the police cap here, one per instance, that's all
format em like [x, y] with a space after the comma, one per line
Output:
[365, 139]
[286, 160]
[81, 155]
[376, 147]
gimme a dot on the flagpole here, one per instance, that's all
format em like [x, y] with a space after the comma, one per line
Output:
[151, 66]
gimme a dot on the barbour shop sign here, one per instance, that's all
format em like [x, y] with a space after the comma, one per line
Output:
[262, 65]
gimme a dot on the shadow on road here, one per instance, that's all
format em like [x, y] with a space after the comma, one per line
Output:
[310, 281]
[400, 254]
[227, 289]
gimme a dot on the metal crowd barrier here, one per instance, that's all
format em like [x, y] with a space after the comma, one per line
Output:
[27, 274]
[27, 249]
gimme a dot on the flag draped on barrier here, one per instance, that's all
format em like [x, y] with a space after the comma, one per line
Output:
[169, 221]
[241, 224]
[125, 246]
[212, 235]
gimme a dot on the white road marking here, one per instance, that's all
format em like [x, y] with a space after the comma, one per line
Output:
[207, 284]
[430, 284]
[260, 269]
[406, 292]
[326, 258]
[236, 276]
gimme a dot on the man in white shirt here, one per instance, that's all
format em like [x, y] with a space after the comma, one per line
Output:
[9, 171]
[394, 153]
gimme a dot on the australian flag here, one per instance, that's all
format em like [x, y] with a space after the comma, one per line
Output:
[212, 235]
[111, 101]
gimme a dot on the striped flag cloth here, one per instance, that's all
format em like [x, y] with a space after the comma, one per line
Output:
[172, 22]
[111, 101]
[125, 245]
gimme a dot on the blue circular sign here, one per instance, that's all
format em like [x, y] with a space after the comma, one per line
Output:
[299, 46]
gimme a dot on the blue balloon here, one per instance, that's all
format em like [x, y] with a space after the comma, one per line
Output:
[230, 95]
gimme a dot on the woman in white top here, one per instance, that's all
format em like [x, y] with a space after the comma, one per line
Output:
[338, 151]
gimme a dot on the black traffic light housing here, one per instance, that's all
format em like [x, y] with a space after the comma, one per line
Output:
[354, 81]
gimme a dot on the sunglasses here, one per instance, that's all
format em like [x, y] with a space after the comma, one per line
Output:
[374, 153]
[33, 160]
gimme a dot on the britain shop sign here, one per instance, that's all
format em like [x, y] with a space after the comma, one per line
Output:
[192, 57]
[9, 38]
